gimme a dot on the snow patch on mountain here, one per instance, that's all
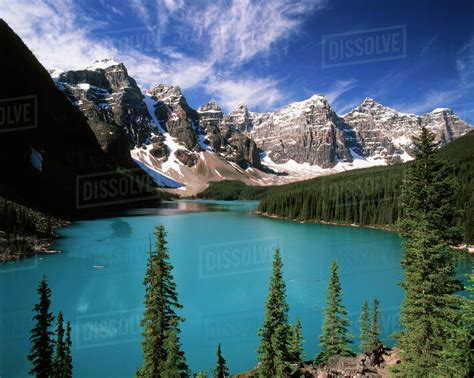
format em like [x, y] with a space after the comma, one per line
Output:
[158, 177]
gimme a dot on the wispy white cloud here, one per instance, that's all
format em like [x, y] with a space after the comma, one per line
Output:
[338, 88]
[229, 33]
[241, 29]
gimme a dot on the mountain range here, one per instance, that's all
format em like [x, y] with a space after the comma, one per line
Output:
[185, 148]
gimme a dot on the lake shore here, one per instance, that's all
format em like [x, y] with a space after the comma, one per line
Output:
[467, 247]
[273, 216]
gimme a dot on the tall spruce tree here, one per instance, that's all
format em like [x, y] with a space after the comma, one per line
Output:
[428, 225]
[274, 352]
[174, 365]
[365, 333]
[59, 362]
[67, 369]
[221, 370]
[41, 355]
[335, 338]
[374, 339]
[161, 302]
[297, 343]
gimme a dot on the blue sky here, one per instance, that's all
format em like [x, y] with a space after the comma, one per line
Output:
[267, 53]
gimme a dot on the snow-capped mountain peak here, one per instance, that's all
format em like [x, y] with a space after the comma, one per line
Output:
[442, 110]
[102, 64]
[210, 106]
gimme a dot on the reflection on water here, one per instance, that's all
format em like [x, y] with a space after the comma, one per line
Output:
[184, 207]
[121, 228]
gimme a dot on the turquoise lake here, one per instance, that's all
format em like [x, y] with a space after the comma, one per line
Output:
[222, 257]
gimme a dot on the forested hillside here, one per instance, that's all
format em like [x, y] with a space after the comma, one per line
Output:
[24, 231]
[370, 196]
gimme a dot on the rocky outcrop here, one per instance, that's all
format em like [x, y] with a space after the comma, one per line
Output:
[159, 149]
[113, 105]
[175, 115]
[371, 365]
[241, 118]
[187, 158]
[210, 121]
[228, 138]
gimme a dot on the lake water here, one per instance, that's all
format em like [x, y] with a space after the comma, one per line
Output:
[222, 256]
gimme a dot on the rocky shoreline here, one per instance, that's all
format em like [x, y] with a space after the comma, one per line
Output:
[33, 246]
[18, 242]
[365, 365]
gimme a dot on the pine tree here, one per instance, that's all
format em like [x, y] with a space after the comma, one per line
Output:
[221, 370]
[297, 343]
[60, 353]
[428, 193]
[428, 308]
[457, 358]
[201, 374]
[174, 363]
[364, 323]
[374, 339]
[335, 338]
[275, 334]
[67, 369]
[161, 301]
[42, 348]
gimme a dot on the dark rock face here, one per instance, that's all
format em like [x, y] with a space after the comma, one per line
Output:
[175, 115]
[227, 138]
[210, 121]
[107, 94]
[186, 157]
[159, 149]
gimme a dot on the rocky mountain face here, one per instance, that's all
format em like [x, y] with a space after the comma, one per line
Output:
[386, 134]
[175, 115]
[311, 132]
[225, 135]
[306, 132]
[113, 105]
